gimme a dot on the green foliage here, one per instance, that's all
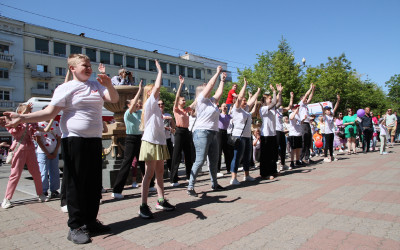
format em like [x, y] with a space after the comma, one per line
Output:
[394, 91]
[168, 98]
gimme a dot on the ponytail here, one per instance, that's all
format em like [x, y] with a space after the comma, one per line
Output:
[68, 76]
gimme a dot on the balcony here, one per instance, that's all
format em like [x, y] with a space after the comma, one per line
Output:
[41, 75]
[41, 92]
[7, 60]
[7, 105]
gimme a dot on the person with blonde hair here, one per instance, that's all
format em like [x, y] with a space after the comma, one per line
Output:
[81, 125]
[24, 153]
[153, 150]
[205, 131]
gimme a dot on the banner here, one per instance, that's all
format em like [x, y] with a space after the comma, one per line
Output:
[315, 108]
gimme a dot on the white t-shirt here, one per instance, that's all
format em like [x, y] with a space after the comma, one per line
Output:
[154, 131]
[207, 114]
[268, 125]
[240, 119]
[82, 104]
[294, 126]
[192, 119]
[279, 119]
[167, 123]
[304, 111]
[329, 124]
[382, 130]
[48, 139]
[258, 145]
[390, 120]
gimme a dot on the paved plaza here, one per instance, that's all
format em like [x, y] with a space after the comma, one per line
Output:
[353, 203]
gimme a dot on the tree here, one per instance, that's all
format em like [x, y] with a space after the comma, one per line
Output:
[394, 91]
[168, 99]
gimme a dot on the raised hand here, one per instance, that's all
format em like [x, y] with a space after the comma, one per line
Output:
[104, 80]
[102, 68]
[245, 81]
[223, 76]
[12, 119]
[158, 66]
[141, 85]
[219, 69]
[272, 88]
[181, 79]
[312, 85]
[279, 87]
[291, 94]
[338, 97]
[28, 108]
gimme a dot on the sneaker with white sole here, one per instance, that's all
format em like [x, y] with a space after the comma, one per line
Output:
[248, 178]
[135, 185]
[175, 184]
[117, 196]
[340, 150]
[240, 169]
[6, 203]
[327, 160]
[220, 175]
[164, 205]
[64, 209]
[384, 153]
[287, 168]
[43, 198]
[145, 212]
[234, 182]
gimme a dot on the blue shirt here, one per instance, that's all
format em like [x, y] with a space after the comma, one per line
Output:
[132, 122]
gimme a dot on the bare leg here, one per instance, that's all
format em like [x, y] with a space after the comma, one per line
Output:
[159, 169]
[150, 168]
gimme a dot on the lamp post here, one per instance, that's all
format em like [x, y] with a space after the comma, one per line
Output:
[303, 61]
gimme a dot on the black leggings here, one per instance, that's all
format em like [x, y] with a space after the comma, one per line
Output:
[281, 139]
[328, 144]
[183, 142]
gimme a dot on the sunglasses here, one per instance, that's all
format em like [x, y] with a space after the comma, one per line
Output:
[161, 104]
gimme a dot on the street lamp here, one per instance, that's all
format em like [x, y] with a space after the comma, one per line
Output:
[303, 61]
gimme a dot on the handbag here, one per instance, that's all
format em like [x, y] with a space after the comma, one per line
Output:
[10, 155]
[235, 140]
[341, 133]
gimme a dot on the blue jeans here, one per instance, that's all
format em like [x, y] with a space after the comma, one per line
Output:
[242, 151]
[206, 144]
[50, 172]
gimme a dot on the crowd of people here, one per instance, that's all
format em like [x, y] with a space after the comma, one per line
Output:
[246, 131]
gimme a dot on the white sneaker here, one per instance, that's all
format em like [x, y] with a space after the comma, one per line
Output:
[248, 178]
[135, 185]
[327, 160]
[6, 203]
[43, 198]
[384, 153]
[220, 175]
[176, 184]
[117, 196]
[340, 150]
[234, 182]
[335, 159]
[286, 167]
[64, 209]
[240, 169]
[152, 189]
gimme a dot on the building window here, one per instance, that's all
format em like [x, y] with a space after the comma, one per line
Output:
[105, 57]
[172, 69]
[60, 71]
[42, 85]
[60, 49]
[118, 59]
[198, 74]
[76, 49]
[143, 81]
[91, 53]
[130, 62]
[164, 67]
[152, 65]
[4, 73]
[142, 63]
[173, 85]
[41, 68]
[4, 95]
[166, 82]
[190, 72]
[41, 46]
[182, 70]
[209, 72]
[4, 49]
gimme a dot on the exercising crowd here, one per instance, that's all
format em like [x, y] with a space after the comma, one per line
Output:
[200, 132]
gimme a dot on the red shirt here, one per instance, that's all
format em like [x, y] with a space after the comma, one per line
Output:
[229, 99]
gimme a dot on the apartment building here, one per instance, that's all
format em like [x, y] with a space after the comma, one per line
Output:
[45, 52]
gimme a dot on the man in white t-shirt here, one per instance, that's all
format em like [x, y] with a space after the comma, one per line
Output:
[391, 125]
[307, 134]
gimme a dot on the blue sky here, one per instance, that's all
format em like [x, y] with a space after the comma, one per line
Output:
[368, 31]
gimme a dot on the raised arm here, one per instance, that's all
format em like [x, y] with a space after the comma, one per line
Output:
[337, 104]
[294, 113]
[220, 89]
[134, 101]
[311, 95]
[279, 97]
[157, 83]
[253, 99]
[178, 92]
[241, 95]
[273, 101]
[307, 93]
[210, 85]
[290, 103]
